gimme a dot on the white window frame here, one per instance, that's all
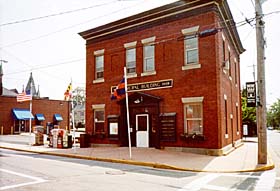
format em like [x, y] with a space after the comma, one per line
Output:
[148, 42]
[129, 46]
[98, 54]
[190, 33]
[98, 108]
[186, 103]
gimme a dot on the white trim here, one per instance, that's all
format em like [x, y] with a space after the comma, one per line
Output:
[131, 75]
[98, 106]
[130, 44]
[226, 136]
[190, 30]
[192, 99]
[236, 104]
[225, 97]
[98, 81]
[149, 73]
[148, 40]
[99, 52]
[223, 37]
[231, 116]
[228, 49]
[191, 66]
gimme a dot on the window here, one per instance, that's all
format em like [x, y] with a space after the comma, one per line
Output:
[237, 118]
[229, 63]
[224, 50]
[99, 120]
[191, 50]
[193, 115]
[225, 117]
[131, 60]
[149, 58]
[235, 71]
[99, 67]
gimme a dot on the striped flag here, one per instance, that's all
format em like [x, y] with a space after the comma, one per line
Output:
[24, 96]
[119, 91]
[68, 92]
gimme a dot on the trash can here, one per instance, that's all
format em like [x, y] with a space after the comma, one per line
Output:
[69, 140]
[84, 140]
[39, 135]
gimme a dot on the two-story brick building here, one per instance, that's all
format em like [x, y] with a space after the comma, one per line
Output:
[183, 71]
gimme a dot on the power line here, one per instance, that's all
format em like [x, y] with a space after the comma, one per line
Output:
[69, 27]
[47, 66]
[55, 14]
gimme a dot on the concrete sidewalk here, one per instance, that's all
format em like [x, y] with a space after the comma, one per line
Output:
[243, 159]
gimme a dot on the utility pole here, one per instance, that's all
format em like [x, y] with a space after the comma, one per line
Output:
[261, 103]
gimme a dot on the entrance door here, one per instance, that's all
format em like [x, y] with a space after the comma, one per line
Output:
[142, 130]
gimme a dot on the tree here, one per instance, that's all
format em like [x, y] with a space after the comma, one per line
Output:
[273, 115]
[248, 113]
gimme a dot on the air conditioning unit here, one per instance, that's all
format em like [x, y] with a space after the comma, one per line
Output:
[226, 65]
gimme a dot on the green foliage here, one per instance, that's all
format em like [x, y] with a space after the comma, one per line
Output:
[273, 115]
[248, 113]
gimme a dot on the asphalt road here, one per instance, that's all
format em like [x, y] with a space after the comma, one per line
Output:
[28, 171]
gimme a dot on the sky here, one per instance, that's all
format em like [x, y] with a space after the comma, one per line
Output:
[42, 37]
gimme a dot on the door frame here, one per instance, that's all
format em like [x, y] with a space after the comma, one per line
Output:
[147, 131]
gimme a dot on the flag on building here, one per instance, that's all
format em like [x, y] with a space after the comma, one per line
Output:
[119, 91]
[68, 92]
[24, 96]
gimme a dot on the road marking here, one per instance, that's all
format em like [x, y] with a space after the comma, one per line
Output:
[266, 182]
[199, 183]
[36, 180]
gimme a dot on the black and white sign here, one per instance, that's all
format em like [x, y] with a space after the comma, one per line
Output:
[251, 94]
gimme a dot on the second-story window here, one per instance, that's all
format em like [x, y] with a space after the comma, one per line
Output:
[149, 58]
[99, 67]
[131, 60]
[191, 49]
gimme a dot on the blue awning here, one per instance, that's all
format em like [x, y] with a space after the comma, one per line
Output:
[22, 114]
[40, 117]
[58, 117]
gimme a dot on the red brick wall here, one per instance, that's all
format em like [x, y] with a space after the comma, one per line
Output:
[43, 106]
[209, 81]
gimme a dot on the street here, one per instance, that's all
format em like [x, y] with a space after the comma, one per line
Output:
[30, 171]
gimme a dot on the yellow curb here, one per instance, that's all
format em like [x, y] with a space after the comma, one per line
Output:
[266, 167]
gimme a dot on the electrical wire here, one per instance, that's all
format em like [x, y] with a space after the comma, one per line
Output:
[71, 26]
[55, 14]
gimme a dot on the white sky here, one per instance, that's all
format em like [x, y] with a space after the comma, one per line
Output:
[55, 53]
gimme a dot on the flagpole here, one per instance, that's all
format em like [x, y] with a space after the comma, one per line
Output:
[127, 113]
[30, 125]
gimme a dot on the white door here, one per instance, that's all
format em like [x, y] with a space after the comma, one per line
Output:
[142, 130]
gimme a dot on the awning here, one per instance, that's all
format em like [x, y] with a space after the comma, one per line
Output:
[22, 114]
[58, 117]
[40, 117]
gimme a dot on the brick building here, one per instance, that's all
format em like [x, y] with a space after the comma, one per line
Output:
[14, 116]
[183, 73]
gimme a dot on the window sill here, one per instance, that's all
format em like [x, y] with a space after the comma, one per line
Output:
[149, 73]
[195, 137]
[191, 66]
[132, 75]
[98, 81]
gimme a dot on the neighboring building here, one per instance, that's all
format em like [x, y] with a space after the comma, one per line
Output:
[14, 116]
[183, 71]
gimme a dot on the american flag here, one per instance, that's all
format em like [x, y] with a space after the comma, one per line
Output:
[24, 97]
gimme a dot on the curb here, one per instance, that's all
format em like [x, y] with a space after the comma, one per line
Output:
[258, 168]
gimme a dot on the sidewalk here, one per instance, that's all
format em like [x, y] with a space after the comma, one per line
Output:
[243, 159]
